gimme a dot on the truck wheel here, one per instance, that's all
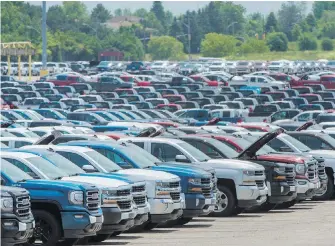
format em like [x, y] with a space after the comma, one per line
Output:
[226, 202]
[99, 238]
[183, 221]
[116, 233]
[327, 193]
[238, 210]
[286, 205]
[47, 230]
[149, 226]
[266, 207]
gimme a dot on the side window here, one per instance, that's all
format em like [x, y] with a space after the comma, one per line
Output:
[65, 140]
[75, 158]
[139, 144]
[315, 115]
[313, 142]
[19, 144]
[164, 152]
[261, 80]
[279, 116]
[120, 161]
[21, 165]
[279, 145]
[205, 148]
[252, 79]
[39, 133]
[5, 143]
[17, 134]
[304, 117]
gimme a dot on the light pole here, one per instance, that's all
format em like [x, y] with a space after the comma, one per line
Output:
[232, 24]
[95, 30]
[44, 35]
[189, 36]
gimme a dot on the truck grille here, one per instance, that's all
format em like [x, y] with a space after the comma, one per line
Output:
[321, 169]
[140, 200]
[123, 205]
[123, 192]
[290, 176]
[260, 184]
[92, 199]
[206, 181]
[175, 196]
[206, 192]
[259, 173]
[140, 188]
[23, 206]
[312, 171]
[174, 185]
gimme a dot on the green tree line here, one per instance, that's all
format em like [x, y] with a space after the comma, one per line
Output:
[218, 29]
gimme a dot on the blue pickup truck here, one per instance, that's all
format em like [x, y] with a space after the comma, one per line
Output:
[17, 221]
[62, 210]
[196, 184]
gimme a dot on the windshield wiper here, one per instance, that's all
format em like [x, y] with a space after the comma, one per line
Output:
[22, 180]
[58, 178]
[75, 174]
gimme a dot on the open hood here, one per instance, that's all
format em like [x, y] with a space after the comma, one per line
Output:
[213, 122]
[48, 138]
[305, 126]
[151, 132]
[250, 152]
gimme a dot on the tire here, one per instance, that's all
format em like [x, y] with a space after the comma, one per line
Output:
[82, 241]
[68, 242]
[286, 205]
[136, 229]
[238, 210]
[329, 192]
[45, 221]
[183, 221]
[149, 226]
[99, 238]
[227, 199]
[116, 233]
[266, 207]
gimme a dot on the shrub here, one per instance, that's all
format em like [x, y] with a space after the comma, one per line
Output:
[327, 44]
[307, 42]
[277, 41]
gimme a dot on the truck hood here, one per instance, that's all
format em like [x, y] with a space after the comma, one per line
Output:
[118, 176]
[181, 172]
[55, 184]
[193, 165]
[323, 153]
[251, 151]
[98, 181]
[289, 159]
[234, 164]
[147, 175]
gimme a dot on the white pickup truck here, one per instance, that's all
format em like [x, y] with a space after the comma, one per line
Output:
[259, 81]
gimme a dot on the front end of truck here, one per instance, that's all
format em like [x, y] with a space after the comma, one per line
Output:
[17, 221]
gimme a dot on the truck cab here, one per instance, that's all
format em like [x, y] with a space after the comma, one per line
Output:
[69, 210]
[17, 221]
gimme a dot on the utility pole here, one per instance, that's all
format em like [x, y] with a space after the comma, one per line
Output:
[44, 35]
[189, 36]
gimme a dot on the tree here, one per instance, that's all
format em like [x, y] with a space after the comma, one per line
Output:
[311, 21]
[328, 30]
[290, 13]
[296, 32]
[158, 9]
[271, 23]
[277, 41]
[307, 42]
[253, 45]
[218, 45]
[142, 13]
[100, 14]
[165, 47]
[56, 17]
[320, 6]
[327, 44]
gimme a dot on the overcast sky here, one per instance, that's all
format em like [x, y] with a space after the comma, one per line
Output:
[180, 7]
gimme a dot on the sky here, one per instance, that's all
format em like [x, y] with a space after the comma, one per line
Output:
[180, 7]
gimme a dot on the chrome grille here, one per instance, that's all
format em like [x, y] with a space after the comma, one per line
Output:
[174, 184]
[140, 188]
[260, 184]
[23, 206]
[92, 199]
[259, 173]
[140, 200]
[206, 192]
[175, 196]
[290, 174]
[321, 169]
[206, 181]
[123, 192]
[123, 205]
[312, 171]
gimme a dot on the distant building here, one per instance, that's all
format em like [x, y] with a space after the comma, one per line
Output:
[122, 21]
[109, 55]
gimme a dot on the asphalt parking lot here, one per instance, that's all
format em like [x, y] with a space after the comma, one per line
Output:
[309, 223]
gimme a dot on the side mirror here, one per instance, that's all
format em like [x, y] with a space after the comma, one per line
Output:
[89, 168]
[181, 158]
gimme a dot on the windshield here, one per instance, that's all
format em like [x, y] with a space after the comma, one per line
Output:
[299, 145]
[64, 164]
[246, 143]
[46, 167]
[242, 63]
[103, 161]
[226, 150]
[138, 155]
[13, 172]
[194, 152]
[275, 63]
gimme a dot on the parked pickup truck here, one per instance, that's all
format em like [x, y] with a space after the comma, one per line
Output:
[240, 184]
[69, 210]
[17, 221]
[259, 81]
[195, 183]
[262, 112]
[327, 80]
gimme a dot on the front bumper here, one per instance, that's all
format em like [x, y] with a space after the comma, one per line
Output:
[80, 224]
[18, 232]
[280, 192]
[142, 215]
[197, 205]
[250, 196]
[162, 210]
[306, 189]
[117, 220]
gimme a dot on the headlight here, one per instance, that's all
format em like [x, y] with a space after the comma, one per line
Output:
[76, 197]
[300, 169]
[249, 173]
[108, 197]
[194, 181]
[7, 204]
[279, 169]
[162, 185]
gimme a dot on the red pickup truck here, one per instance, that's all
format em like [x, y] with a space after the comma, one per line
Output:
[327, 80]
